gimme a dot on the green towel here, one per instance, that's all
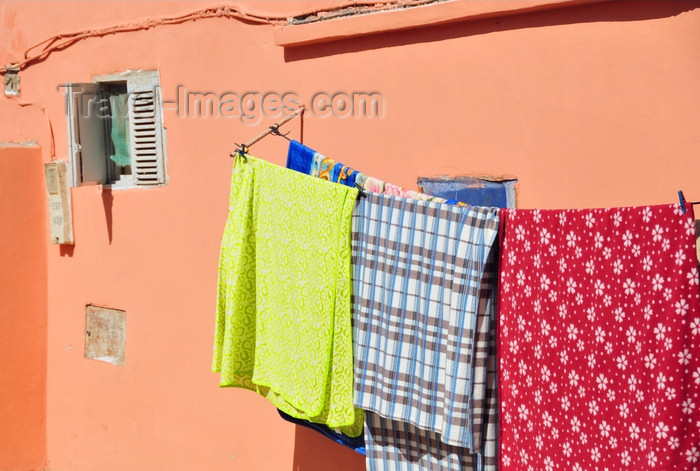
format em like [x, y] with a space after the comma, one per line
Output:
[283, 324]
[120, 130]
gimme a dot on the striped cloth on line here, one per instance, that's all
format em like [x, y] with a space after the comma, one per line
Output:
[423, 315]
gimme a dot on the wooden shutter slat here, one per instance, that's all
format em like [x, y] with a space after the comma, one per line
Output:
[146, 140]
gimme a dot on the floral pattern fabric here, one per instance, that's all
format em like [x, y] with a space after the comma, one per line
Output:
[306, 160]
[599, 340]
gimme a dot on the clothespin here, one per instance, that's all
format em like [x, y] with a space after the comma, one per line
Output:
[362, 191]
[275, 129]
[241, 150]
[681, 199]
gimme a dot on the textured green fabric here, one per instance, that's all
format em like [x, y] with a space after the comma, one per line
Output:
[283, 324]
[120, 130]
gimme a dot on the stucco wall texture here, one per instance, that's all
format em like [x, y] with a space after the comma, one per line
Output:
[592, 105]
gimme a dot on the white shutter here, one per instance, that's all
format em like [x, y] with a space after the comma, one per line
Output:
[145, 128]
[86, 133]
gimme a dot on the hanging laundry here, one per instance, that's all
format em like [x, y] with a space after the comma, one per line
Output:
[599, 340]
[305, 160]
[423, 310]
[328, 169]
[300, 158]
[394, 445]
[283, 324]
[356, 444]
[400, 445]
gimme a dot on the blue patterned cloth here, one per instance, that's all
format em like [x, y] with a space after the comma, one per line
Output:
[424, 308]
[300, 157]
[356, 444]
[306, 160]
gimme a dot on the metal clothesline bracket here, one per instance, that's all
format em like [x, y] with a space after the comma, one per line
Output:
[273, 129]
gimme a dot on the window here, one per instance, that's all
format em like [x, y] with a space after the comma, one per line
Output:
[115, 131]
[492, 192]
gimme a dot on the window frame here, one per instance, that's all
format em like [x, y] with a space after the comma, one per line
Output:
[474, 190]
[89, 131]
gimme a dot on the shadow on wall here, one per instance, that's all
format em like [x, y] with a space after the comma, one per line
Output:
[608, 11]
[107, 203]
[314, 452]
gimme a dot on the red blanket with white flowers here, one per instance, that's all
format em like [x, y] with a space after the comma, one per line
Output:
[599, 340]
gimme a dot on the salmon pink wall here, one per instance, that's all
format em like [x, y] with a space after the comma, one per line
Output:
[591, 105]
[23, 284]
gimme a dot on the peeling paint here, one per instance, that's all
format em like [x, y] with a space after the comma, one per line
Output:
[19, 144]
[105, 335]
[112, 360]
[478, 191]
[356, 10]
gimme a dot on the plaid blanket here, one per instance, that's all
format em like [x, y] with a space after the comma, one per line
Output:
[400, 446]
[423, 327]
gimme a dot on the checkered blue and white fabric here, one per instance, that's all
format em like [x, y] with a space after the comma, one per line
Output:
[400, 446]
[423, 311]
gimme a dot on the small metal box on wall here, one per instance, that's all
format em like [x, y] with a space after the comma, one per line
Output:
[60, 214]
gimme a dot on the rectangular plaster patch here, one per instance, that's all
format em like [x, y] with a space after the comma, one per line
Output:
[105, 334]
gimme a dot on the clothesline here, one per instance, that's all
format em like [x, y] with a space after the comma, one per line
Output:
[423, 370]
[274, 129]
